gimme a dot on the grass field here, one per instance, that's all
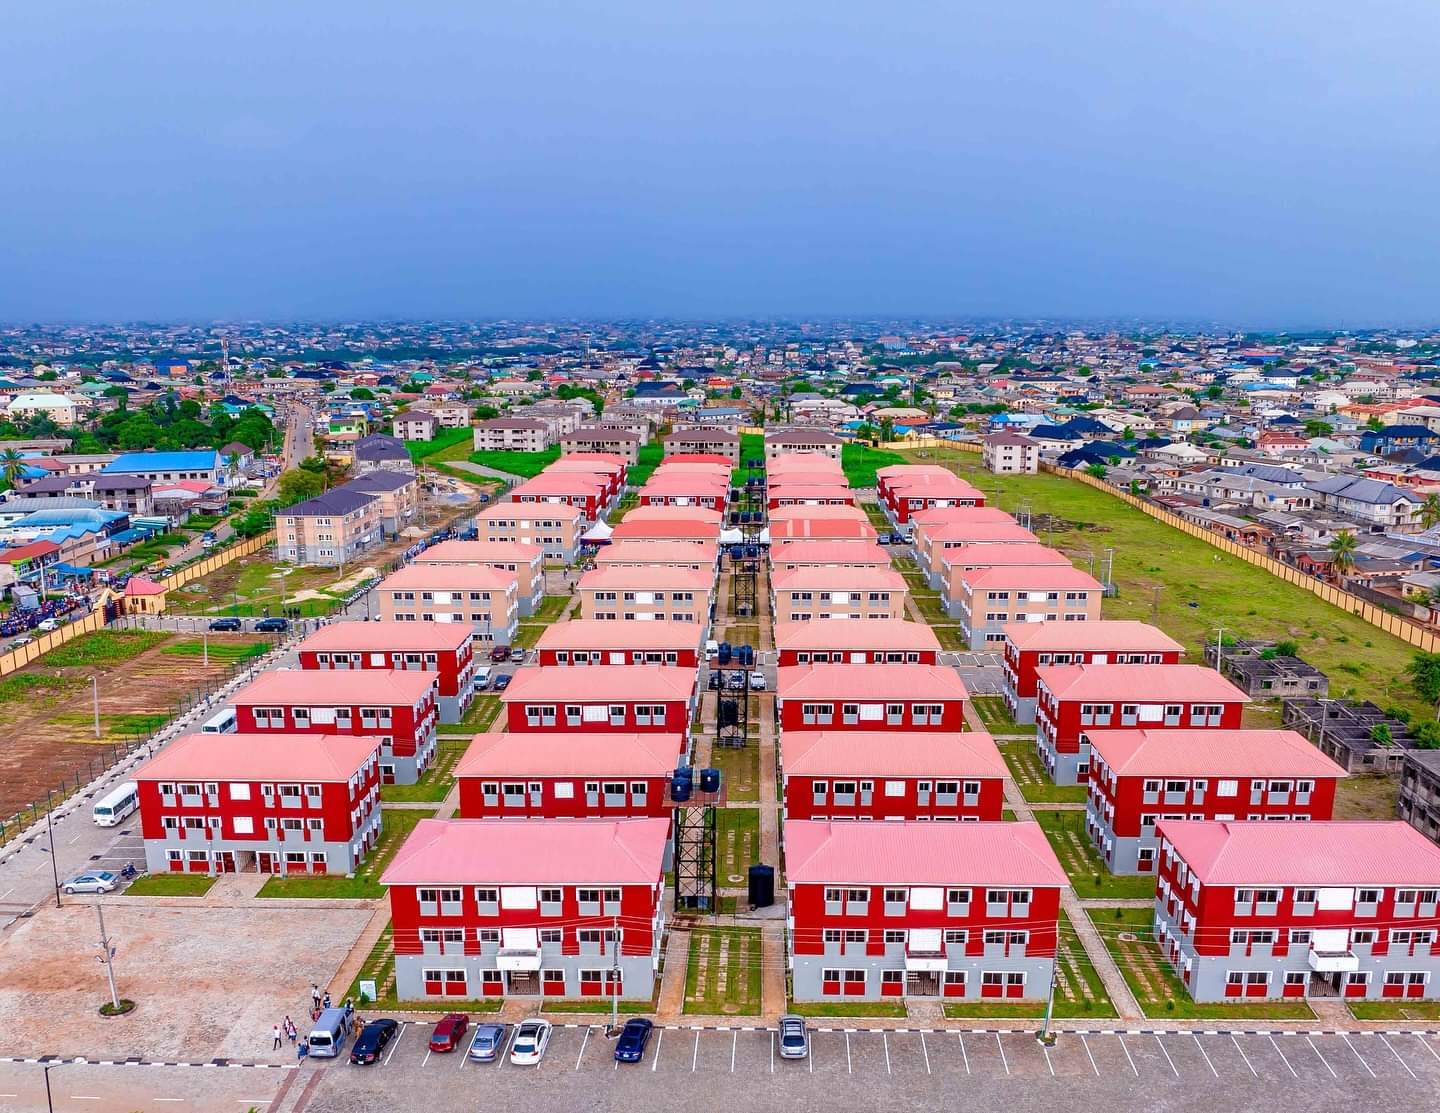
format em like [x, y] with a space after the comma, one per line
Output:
[435, 783]
[1394, 1010]
[739, 771]
[722, 974]
[524, 464]
[996, 717]
[1088, 875]
[1200, 589]
[738, 836]
[218, 651]
[104, 647]
[421, 451]
[551, 608]
[1128, 936]
[1029, 774]
[478, 716]
[170, 885]
[860, 463]
[395, 826]
[645, 464]
[881, 1009]
[752, 447]
[1079, 992]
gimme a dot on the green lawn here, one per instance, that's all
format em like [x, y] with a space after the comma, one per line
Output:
[1079, 991]
[739, 771]
[551, 608]
[1029, 773]
[1394, 1010]
[752, 447]
[722, 975]
[650, 456]
[170, 885]
[1248, 602]
[1129, 937]
[996, 716]
[1088, 875]
[435, 783]
[860, 462]
[527, 465]
[421, 451]
[886, 1009]
[738, 836]
[37, 687]
[104, 647]
[396, 825]
[587, 1005]
[219, 650]
[478, 716]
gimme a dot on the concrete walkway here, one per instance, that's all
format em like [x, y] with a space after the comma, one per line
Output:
[670, 1004]
[483, 471]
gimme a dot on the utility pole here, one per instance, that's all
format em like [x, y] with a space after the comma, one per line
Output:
[1044, 1035]
[54, 868]
[205, 647]
[1219, 646]
[107, 955]
[615, 974]
[95, 694]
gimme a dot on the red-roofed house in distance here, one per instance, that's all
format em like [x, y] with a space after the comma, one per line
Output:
[668, 594]
[892, 774]
[990, 598]
[826, 592]
[446, 650]
[478, 912]
[1255, 910]
[589, 641]
[1073, 699]
[527, 562]
[273, 802]
[398, 707]
[1140, 777]
[789, 555]
[1030, 646]
[883, 640]
[904, 490]
[583, 490]
[601, 698]
[957, 910]
[870, 697]
[567, 775]
[820, 523]
[699, 556]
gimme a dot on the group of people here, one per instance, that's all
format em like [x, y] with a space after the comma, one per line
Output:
[285, 1030]
[319, 1002]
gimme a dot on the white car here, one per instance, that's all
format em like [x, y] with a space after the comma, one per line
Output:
[757, 681]
[531, 1040]
[96, 881]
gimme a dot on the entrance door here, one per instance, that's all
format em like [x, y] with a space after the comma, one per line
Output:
[522, 983]
[1324, 985]
[225, 862]
[924, 983]
[265, 861]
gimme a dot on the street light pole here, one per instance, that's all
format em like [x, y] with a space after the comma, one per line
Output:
[95, 694]
[107, 955]
[54, 867]
[615, 974]
[49, 1101]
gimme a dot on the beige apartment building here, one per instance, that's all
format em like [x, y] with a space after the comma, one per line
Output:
[616, 442]
[710, 442]
[398, 493]
[526, 562]
[815, 441]
[414, 425]
[1010, 454]
[485, 598]
[331, 529]
[667, 594]
[512, 434]
[555, 527]
[801, 594]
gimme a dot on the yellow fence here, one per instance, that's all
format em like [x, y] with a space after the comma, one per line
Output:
[44, 643]
[219, 560]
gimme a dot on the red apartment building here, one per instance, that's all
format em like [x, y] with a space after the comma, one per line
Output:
[870, 697]
[1073, 699]
[1255, 910]
[276, 803]
[446, 650]
[1030, 646]
[601, 698]
[609, 467]
[477, 912]
[956, 910]
[681, 489]
[567, 775]
[793, 493]
[879, 641]
[1140, 777]
[584, 490]
[587, 641]
[865, 774]
[399, 707]
[904, 490]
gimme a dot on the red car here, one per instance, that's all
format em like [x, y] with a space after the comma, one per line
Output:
[500, 654]
[446, 1036]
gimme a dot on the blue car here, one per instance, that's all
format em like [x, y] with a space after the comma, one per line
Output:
[633, 1038]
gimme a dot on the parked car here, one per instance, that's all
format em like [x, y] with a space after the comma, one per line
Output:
[482, 678]
[531, 1040]
[95, 881]
[225, 624]
[794, 1039]
[272, 625]
[488, 1040]
[500, 654]
[517, 654]
[712, 648]
[448, 1031]
[630, 1048]
[501, 682]
[757, 681]
[370, 1044]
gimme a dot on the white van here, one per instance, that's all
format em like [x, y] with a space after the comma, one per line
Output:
[224, 722]
[482, 678]
[116, 805]
[327, 1038]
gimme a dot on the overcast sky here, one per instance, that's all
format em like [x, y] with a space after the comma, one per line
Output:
[1254, 161]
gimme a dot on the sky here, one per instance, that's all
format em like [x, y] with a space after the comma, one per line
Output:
[1260, 162]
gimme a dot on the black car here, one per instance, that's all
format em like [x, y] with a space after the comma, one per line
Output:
[633, 1038]
[502, 682]
[371, 1042]
[225, 624]
[272, 625]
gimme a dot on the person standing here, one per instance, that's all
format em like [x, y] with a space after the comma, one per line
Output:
[315, 994]
[290, 1030]
[275, 1034]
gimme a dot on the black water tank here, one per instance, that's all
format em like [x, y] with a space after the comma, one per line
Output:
[762, 886]
[680, 790]
[709, 780]
[746, 653]
[724, 653]
[729, 712]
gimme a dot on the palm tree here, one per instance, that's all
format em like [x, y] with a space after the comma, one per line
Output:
[1342, 552]
[1429, 512]
[12, 464]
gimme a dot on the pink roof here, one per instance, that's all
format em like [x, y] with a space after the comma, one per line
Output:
[783, 462]
[718, 467]
[667, 577]
[594, 683]
[665, 529]
[817, 513]
[981, 531]
[481, 552]
[370, 687]
[1211, 753]
[943, 515]
[695, 457]
[260, 757]
[609, 461]
[139, 585]
[1142, 683]
[828, 552]
[820, 577]
[890, 753]
[593, 633]
[1030, 577]
[559, 483]
[573, 755]
[449, 577]
[784, 490]
[918, 853]
[947, 485]
[1113, 635]
[846, 634]
[681, 486]
[819, 477]
[386, 636]
[1339, 853]
[994, 556]
[544, 852]
[673, 514]
[895, 472]
[703, 553]
[507, 511]
[813, 530]
[870, 682]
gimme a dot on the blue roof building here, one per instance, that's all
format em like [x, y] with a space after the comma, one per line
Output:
[194, 464]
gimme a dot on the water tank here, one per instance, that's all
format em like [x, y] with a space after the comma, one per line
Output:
[709, 780]
[729, 713]
[683, 773]
[724, 653]
[746, 653]
[762, 886]
[680, 790]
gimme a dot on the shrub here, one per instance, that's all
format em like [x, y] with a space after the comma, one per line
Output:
[1288, 648]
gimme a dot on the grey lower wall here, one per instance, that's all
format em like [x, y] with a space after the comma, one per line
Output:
[340, 857]
[1064, 769]
[806, 970]
[1022, 709]
[408, 769]
[1123, 854]
[637, 972]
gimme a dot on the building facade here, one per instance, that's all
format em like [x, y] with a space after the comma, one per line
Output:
[1031, 646]
[447, 650]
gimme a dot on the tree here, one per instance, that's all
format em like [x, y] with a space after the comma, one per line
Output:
[1429, 512]
[1426, 735]
[299, 484]
[1097, 470]
[1342, 552]
[1287, 648]
[362, 394]
[12, 464]
[1214, 392]
[887, 429]
[1381, 736]
[1314, 428]
[1424, 673]
[1375, 425]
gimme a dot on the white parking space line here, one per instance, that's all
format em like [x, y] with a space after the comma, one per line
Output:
[848, 1068]
[1351, 1046]
[1165, 1053]
[1395, 1053]
[885, 1039]
[810, 1058]
[1001, 1046]
[1086, 1045]
[1324, 1060]
[1128, 1059]
[695, 1055]
[1284, 1060]
[505, 1051]
[926, 1051]
[1426, 1045]
[1048, 1063]
[1235, 1040]
[772, 1052]
[400, 1035]
[583, 1042]
[84, 1097]
[180, 1099]
[963, 1053]
[655, 1061]
[427, 1057]
[1201, 1046]
[734, 1039]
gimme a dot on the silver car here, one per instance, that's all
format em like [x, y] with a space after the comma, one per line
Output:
[96, 881]
[488, 1041]
[794, 1039]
